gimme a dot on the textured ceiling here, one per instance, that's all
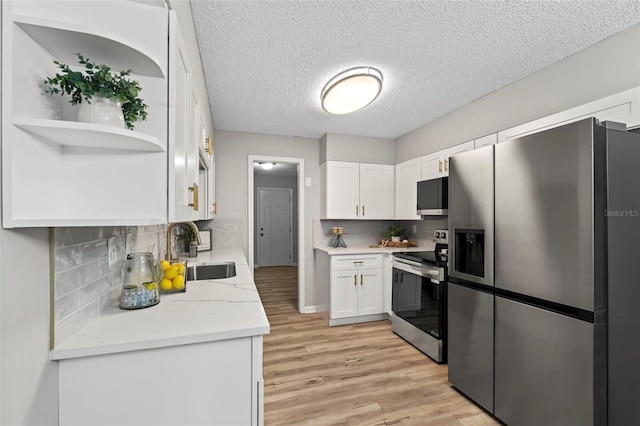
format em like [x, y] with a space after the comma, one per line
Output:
[266, 61]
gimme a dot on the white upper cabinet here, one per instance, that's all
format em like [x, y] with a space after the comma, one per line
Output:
[55, 170]
[191, 163]
[357, 190]
[188, 170]
[193, 157]
[376, 191]
[180, 103]
[437, 164]
[342, 190]
[207, 173]
[432, 166]
[408, 174]
[623, 107]
[488, 140]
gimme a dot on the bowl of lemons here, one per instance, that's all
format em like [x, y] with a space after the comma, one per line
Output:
[173, 276]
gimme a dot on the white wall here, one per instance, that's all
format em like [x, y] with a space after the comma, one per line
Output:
[28, 380]
[608, 67]
[358, 149]
[232, 151]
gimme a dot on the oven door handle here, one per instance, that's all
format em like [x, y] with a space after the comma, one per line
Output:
[421, 271]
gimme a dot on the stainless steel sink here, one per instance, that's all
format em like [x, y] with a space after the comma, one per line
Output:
[211, 271]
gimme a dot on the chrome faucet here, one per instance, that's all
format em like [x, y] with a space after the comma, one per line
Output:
[170, 230]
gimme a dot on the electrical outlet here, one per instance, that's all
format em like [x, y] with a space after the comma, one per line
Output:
[128, 243]
[414, 228]
[112, 250]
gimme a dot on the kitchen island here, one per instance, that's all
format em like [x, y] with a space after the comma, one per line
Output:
[194, 358]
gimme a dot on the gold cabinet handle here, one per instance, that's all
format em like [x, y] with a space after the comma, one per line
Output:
[446, 165]
[194, 190]
[214, 208]
[357, 211]
[360, 279]
[362, 211]
[355, 279]
[439, 166]
[209, 146]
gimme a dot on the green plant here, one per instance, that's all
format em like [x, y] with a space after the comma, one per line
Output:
[99, 80]
[395, 231]
[187, 234]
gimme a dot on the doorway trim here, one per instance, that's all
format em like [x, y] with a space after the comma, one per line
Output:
[301, 221]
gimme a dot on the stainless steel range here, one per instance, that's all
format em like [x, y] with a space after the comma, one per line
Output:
[419, 298]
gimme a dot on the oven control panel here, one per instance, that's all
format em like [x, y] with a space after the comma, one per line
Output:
[441, 236]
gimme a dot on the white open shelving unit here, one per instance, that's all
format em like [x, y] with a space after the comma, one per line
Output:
[71, 133]
[59, 172]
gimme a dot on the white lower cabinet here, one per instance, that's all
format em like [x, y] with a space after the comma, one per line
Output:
[213, 383]
[356, 289]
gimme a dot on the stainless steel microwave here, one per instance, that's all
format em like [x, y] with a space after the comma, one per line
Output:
[433, 197]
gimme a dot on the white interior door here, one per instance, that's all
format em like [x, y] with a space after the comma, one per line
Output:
[274, 226]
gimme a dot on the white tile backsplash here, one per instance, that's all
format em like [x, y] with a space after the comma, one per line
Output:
[74, 322]
[66, 305]
[370, 232]
[424, 230]
[96, 289]
[84, 283]
[225, 233]
[357, 232]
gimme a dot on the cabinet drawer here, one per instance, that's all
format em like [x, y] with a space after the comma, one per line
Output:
[356, 261]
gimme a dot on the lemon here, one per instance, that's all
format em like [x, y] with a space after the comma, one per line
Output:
[178, 282]
[166, 284]
[171, 272]
[151, 286]
[180, 268]
[164, 264]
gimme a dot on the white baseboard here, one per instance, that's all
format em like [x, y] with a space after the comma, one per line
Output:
[356, 320]
[315, 309]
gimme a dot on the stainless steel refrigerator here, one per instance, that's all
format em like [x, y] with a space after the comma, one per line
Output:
[545, 276]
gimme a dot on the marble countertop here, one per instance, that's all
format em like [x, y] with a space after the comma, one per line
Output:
[209, 310]
[364, 249]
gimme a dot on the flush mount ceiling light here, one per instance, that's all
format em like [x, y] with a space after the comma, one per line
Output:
[267, 166]
[351, 90]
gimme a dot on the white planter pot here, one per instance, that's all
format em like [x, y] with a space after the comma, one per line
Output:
[395, 239]
[103, 111]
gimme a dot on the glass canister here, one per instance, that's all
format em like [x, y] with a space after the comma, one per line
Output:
[140, 282]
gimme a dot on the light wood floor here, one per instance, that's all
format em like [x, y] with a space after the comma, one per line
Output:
[349, 375]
